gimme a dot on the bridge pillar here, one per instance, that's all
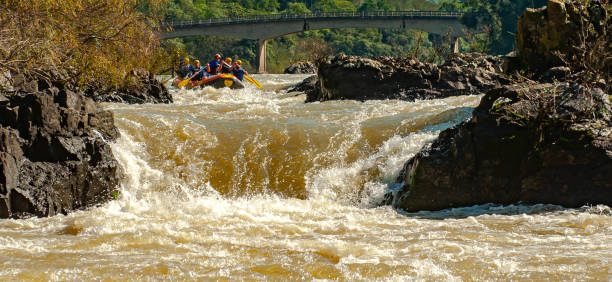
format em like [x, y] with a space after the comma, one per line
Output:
[261, 56]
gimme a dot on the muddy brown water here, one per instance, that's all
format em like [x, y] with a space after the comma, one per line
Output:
[257, 185]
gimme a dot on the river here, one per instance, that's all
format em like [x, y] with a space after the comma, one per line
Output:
[257, 185]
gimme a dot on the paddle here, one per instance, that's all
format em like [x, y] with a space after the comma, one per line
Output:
[252, 81]
[184, 82]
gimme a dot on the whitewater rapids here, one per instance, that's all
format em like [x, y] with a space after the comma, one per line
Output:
[257, 185]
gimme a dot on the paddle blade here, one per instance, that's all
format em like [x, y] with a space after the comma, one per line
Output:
[253, 81]
[183, 83]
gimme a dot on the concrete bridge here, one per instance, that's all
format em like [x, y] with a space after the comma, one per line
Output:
[266, 27]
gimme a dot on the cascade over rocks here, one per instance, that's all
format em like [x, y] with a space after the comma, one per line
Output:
[54, 155]
[143, 89]
[535, 142]
[351, 77]
[530, 143]
[302, 67]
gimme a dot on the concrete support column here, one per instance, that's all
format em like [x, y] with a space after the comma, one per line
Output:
[455, 45]
[261, 56]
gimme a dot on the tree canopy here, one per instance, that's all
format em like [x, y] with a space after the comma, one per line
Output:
[496, 17]
[99, 41]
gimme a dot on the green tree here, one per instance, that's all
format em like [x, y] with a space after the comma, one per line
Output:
[334, 6]
[498, 17]
[375, 5]
[99, 42]
[297, 9]
[260, 5]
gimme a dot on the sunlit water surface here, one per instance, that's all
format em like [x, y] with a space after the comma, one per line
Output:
[255, 184]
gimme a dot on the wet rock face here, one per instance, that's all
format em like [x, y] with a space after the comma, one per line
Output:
[539, 143]
[301, 68]
[144, 89]
[53, 153]
[356, 78]
[307, 85]
[556, 28]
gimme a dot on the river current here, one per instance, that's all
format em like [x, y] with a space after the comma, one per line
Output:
[257, 185]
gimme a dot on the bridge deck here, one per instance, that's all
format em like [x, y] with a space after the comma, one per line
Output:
[265, 27]
[313, 16]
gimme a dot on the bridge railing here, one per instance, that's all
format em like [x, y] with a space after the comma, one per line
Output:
[322, 15]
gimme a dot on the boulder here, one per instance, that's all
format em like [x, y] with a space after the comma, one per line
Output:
[302, 67]
[54, 155]
[307, 85]
[143, 88]
[356, 78]
[529, 143]
[545, 33]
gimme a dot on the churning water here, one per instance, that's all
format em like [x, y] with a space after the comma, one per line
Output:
[257, 185]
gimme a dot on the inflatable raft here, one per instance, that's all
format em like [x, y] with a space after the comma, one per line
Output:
[217, 81]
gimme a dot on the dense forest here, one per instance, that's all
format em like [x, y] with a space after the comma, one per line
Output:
[497, 17]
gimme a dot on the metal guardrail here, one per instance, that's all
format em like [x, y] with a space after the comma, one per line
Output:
[325, 15]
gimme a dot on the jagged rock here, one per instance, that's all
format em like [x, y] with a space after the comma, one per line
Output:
[307, 85]
[530, 143]
[303, 67]
[144, 88]
[53, 153]
[352, 77]
[542, 34]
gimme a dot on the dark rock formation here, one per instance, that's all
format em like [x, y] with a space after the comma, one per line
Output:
[351, 77]
[303, 67]
[307, 85]
[144, 88]
[53, 152]
[542, 34]
[539, 143]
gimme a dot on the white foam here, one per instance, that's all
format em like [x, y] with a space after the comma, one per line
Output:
[169, 225]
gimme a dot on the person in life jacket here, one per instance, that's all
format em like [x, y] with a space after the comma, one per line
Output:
[214, 66]
[183, 69]
[227, 65]
[198, 71]
[238, 71]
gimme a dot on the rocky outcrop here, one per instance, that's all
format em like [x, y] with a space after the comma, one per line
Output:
[54, 155]
[307, 85]
[302, 67]
[543, 34]
[352, 77]
[143, 88]
[529, 143]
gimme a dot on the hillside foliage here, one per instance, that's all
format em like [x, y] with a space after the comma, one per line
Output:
[97, 42]
[497, 17]
[287, 49]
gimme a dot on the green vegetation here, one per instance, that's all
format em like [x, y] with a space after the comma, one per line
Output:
[101, 41]
[97, 42]
[283, 51]
[498, 18]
